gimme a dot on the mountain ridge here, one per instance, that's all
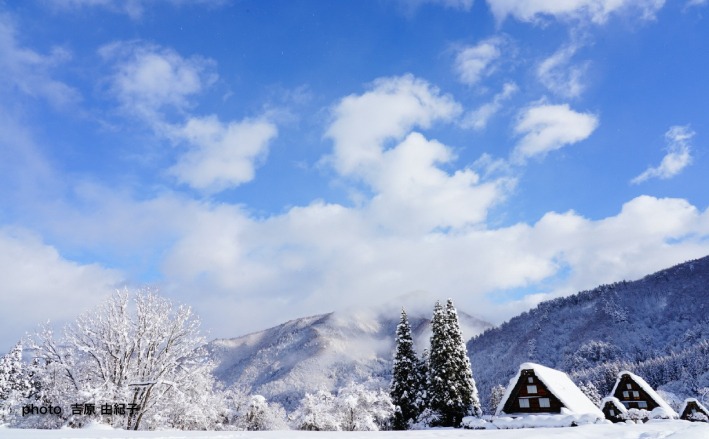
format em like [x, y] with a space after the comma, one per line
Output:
[626, 323]
[321, 352]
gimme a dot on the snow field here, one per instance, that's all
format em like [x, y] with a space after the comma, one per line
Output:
[649, 430]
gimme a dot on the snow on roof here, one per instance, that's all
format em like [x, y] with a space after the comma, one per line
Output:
[694, 400]
[615, 401]
[647, 389]
[560, 385]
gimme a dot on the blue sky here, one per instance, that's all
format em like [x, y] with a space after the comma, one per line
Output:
[263, 161]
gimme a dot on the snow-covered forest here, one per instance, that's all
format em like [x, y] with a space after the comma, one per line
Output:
[657, 327]
[138, 363]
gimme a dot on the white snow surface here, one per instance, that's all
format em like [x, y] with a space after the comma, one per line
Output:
[530, 421]
[560, 385]
[649, 390]
[673, 429]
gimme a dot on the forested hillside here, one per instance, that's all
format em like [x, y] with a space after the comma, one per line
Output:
[657, 326]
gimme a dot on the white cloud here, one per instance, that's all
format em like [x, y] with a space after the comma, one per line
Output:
[323, 256]
[388, 111]
[39, 284]
[677, 158]
[414, 195]
[30, 72]
[597, 11]
[691, 3]
[411, 192]
[560, 76]
[149, 78]
[133, 8]
[546, 128]
[151, 82]
[222, 155]
[479, 118]
[422, 227]
[647, 235]
[472, 63]
[464, 5]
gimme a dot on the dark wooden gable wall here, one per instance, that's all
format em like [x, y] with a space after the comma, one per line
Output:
[632, 396]
[692, 407]
[612, 413]
[529, 395]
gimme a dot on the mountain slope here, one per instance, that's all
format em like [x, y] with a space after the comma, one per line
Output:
[319, 352]
[626, 324]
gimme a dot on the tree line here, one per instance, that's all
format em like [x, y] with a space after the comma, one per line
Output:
[138, 362]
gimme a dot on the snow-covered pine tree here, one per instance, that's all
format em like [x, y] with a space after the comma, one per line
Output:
[422, 379]
[452, 391]
[14, 383]
[467, 401]
[404, 383]
[440, 370]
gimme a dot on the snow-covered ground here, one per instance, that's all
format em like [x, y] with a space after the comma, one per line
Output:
[650, 430]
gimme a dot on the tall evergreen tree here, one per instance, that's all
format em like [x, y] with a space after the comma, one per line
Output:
[452, 391]
[440, 369]
[467, 401]
[404, 384]
[422, 382]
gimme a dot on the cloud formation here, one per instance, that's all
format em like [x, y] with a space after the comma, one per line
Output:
[388, 111]
[133, 8]
[222, 155]
[422, 229]
[39, 284]
[560, 76]
[29, 72]
[473, 63]
[464, 5]
[148, 78]
[678, 155]
[596, 11]
[479, 118]
[546, 128]
[152, 83]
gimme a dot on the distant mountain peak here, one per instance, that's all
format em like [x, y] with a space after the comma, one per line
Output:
[322, 352]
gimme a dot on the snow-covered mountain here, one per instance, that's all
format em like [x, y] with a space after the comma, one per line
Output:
[657, 326]
[320, 352]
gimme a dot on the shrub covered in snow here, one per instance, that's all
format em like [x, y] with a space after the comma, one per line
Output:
[355, 408]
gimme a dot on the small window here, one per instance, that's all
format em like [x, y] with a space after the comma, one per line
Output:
[531, 389]
[544, 403]
[628, 386]
[523, 403]
[612, 412]
[636, 394]
[626, 394]
[642, 405]
[530, 380]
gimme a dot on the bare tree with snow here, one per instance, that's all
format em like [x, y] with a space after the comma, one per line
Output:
[147, 354]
